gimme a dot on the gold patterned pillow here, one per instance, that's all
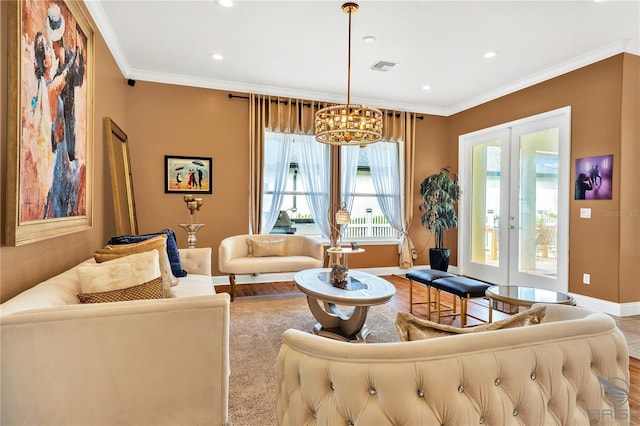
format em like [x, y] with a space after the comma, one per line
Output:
[149, 290]
[259, 247]
[410, 327]
[158, 243]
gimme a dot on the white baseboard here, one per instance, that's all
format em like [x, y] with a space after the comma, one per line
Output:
[611, 308]
[288, 276]
[599, 305]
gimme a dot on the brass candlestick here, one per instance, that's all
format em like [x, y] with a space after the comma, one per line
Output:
[193, 205]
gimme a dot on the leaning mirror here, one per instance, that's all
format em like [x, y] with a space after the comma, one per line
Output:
[121, 179]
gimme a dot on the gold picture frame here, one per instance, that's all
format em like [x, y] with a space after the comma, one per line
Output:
[50, 121]
[121, 178]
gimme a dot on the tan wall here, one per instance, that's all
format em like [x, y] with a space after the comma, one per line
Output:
[595, 96]
[629, 182]
[175, 120]
[22, 267]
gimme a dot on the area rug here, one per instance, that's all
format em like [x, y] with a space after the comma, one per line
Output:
[257, 324]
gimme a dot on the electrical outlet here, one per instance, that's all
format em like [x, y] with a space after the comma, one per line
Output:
[586, 278]
[414, 255]
[585, 213]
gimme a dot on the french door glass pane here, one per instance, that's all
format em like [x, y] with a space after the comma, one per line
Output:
[538, 205]
[485, 204]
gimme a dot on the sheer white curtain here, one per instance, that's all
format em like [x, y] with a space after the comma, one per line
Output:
[385, 174]
[277, 156]
[314, 177]
[348, 172]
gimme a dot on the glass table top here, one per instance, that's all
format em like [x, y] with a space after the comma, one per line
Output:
[531, 294]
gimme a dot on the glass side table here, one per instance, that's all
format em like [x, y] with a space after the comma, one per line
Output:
[516, 296]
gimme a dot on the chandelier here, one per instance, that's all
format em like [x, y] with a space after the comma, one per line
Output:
[348, 124]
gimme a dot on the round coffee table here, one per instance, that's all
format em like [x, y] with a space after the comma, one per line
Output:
[363, 291]
[527, 296]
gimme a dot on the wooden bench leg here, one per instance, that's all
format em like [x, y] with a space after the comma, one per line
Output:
[232, 285]
[438, 305]
[429, 303]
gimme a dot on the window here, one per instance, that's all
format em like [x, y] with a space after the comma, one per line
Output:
[367, 218]
[298, 203]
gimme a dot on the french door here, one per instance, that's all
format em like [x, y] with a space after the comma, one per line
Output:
[514, 203]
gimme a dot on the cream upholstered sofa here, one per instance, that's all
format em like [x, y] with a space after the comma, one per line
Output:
[291, 253]
[148, 362]
[547, 374]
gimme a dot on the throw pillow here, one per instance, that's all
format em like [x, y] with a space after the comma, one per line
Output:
[264, 247]
[150, 290]
[120, 274]
[158, 243]
[172, 247]
[410, 327]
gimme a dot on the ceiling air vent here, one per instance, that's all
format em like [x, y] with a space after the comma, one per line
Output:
[383, 66]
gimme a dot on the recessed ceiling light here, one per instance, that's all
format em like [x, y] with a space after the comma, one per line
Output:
[426, 87]
[491, 54]
[369, 39]
[217, 56]
[225, 3]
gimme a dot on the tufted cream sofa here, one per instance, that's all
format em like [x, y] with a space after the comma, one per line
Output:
[145, 362]
[547, 374]
[301, 253]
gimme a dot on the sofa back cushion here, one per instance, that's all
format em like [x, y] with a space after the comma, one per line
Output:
[59, 290]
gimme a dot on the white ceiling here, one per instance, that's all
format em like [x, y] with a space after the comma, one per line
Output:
[299, 48]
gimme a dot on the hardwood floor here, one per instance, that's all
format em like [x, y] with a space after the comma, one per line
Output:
[401, 302]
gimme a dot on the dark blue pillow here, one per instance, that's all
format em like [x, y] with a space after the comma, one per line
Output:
[172, 247]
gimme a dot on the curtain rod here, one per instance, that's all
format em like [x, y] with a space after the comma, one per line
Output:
[274, 101]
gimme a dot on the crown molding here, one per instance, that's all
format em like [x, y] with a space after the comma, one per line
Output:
[572, 65]
[100, 18]
[98, 15]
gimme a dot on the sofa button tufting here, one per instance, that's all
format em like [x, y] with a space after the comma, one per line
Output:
[332, 387]
[515, 412]
[349, 423]
[460, 388]
[420, 393]
[315, 414]
[533, 375]
[372, 391]
[497, 382]
[481, 420]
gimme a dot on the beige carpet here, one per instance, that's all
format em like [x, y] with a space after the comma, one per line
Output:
[257, 324]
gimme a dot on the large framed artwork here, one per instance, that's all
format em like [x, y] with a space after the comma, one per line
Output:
[187, 174]
[50, 120]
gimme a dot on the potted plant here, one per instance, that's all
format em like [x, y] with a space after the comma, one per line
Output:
[439, 192]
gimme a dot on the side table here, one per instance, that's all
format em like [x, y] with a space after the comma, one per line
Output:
[516, 296]
[334, 254]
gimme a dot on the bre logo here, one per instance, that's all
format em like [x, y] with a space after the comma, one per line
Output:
[615, 391]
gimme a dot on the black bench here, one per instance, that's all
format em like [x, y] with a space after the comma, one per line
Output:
[461, 287]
